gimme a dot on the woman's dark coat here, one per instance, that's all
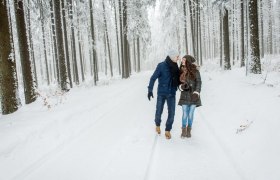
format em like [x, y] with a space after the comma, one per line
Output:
[185, 98]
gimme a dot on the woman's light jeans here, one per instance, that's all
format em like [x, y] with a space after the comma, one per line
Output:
[188, 113]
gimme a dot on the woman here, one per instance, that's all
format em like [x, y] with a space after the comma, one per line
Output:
[190, 93]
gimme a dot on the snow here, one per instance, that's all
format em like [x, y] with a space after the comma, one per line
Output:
[107, 132]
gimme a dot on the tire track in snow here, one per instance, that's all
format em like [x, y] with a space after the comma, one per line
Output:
[38, 163]
[112, 159]
[223, 146]
[151, 159]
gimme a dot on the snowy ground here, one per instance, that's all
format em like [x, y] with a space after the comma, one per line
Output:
[107, 132]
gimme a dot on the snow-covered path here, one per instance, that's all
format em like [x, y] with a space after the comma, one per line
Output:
[107, 132]
[119, 143]
[201, 157]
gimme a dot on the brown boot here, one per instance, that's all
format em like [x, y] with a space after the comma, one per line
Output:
[167, 135]
[184, 132]
[189, 132]
[158, 129]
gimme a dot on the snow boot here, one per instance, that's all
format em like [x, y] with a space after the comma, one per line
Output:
[167, 135]
[189, 132]
[184, 132]
[158, 129]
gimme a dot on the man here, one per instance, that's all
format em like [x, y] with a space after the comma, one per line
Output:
[167, 73]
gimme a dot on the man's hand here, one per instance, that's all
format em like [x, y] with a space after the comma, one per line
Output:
[150, 94]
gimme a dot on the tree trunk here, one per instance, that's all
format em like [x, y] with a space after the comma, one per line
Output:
[51, 53]
[80, 51]
[42, 17]
[192, 26]
[270, 41]
[221, 38]
[199, 40]
[233, 33]
[81, 60]
[28, 80]
[66, 43]
[139, 55]
[125, 41]
[93, 44]
[242, 35]
[56, 69]
[197, 32]
[107, 39]
[73, 45]
[117, 36]
[121, 37]
[105, 54]
[10, 101]
[255, 65]
[129, 59]
[227, 65]
[247, 34]
[11, 29]
[60, 48]
[262, 35]
[31, 47]
[185, 26]
[134, 55]
[90, 54]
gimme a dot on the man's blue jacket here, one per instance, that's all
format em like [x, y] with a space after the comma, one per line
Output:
[163, 74]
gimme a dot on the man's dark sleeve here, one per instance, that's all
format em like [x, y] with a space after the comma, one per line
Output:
[154, 77]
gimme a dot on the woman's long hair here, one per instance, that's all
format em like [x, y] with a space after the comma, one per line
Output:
[191, 68]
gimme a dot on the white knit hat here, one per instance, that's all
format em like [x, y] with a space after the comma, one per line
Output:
[172, 53]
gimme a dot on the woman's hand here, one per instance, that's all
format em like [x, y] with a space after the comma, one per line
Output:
[195, 96]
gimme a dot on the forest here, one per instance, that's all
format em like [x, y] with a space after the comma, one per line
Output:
[61, 44]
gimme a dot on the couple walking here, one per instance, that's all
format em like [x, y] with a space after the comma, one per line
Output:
[170, 78]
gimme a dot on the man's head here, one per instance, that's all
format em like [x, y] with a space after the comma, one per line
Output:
[173, 54]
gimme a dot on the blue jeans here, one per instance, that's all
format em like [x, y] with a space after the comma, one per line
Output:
[171, 110]
[188, 112]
